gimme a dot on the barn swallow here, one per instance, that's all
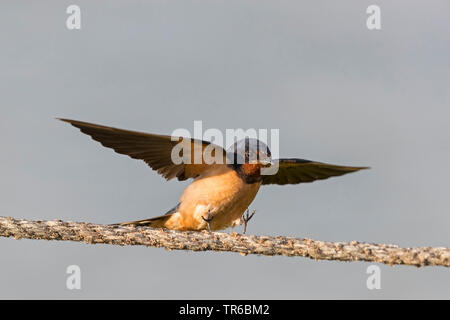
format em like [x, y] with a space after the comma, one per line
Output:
[221, 192]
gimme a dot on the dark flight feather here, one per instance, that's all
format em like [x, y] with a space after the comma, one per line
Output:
[154, 149]
[294, 171]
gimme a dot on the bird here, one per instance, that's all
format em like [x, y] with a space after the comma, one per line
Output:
[221, 191]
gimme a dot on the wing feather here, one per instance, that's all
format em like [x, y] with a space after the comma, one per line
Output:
[154, 149]
[294, 171]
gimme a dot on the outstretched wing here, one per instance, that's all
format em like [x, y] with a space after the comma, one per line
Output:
[293, 171]
[154, 149]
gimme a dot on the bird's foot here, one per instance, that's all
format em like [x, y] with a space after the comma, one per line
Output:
[208, 219]
[246, 218]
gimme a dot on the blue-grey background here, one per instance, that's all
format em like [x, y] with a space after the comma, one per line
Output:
[338, 93]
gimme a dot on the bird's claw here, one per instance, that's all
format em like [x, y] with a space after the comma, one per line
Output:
[246, 218]
[208, 219]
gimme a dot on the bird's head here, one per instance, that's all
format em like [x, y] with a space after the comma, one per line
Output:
[250, 155]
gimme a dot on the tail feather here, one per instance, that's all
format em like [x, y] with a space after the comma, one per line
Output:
[155, 222]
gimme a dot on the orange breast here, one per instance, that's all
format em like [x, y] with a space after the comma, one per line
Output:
[219, 192]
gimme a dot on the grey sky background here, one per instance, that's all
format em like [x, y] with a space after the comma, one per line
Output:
[338, 93]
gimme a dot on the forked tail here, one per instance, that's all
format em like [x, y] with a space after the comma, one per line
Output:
[155, 222]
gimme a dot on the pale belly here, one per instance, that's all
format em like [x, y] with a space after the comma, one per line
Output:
[221, 194]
